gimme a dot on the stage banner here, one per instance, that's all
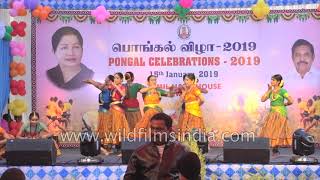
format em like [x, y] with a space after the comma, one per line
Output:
[233, 58]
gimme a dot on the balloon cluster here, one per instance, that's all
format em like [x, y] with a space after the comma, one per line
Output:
[41, 12]
[17, 69]
[18, 28]
[17, 107]
[17, 49]
[18, 87]
[100, 14]
[18, 9]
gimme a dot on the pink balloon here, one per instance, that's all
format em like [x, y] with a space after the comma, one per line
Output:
[100, 14]
[186, 3]
[101, 8]
[12, 44]
[100, 18]
[14, 51]
[20, 45]
[17, 49]
[23, 53]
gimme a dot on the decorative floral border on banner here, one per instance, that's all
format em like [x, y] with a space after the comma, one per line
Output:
[158, 4]
[212, 17]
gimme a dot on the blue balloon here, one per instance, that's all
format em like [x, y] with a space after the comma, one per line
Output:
[31, 4]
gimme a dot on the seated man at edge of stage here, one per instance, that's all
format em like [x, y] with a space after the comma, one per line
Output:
[158, 158]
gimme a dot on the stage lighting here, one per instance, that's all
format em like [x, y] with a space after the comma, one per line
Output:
[89, 146]
[303, 146]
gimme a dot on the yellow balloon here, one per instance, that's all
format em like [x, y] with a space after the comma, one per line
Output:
[14, 112]
[19, 103]
[18, 112]
[260, 16]
[266, 10]
[17, 107]
[258, 13]
[261, 9]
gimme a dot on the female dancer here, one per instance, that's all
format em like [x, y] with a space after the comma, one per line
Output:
[151, 98]
[105, 123]
[130, 102]
[120, 126]
[276, 123]
[192, 98]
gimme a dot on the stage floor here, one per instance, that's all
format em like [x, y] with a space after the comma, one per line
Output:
[215, 155]
[66, 168]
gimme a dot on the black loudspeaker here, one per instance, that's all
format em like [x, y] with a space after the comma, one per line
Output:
[302, 143]
[240, 149]
[30, 152]
[88, 145]
[128, 146]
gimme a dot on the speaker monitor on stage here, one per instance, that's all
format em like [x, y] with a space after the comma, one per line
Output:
[240, 149]
[30, 152]
[129, 146]
[89, 146]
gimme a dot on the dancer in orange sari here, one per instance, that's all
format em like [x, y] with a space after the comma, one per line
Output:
[151, 98]
[104, 116]
[119, 127]
[191, 96]
[276, 123]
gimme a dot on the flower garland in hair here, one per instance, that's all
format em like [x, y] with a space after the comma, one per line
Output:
[281, 83]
